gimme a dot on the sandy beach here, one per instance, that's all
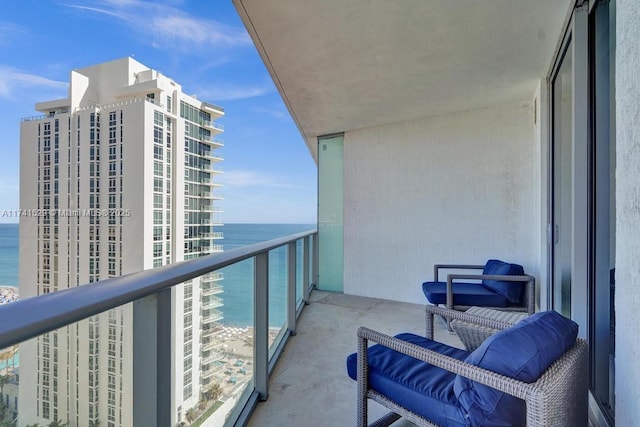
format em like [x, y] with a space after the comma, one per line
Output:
[237, 352]
[8, 294]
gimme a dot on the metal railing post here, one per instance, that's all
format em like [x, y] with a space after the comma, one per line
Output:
[291, 286]
[165, 374]
[261, 345]
[305, 270]
[153, 376]
[316, 256]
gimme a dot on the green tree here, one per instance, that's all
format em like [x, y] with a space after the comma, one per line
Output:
[191, 415]
[214, 392]
[3, 408]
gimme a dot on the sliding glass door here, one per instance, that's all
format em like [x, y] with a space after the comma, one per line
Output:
[561, 182]
[582, 191]
[603, 225]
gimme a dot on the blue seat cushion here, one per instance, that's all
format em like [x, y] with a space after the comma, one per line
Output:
[523, 352]
[511, 290]
[464, 294]
[418, 386]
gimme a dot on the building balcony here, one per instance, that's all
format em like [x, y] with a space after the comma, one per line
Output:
[209, 334]
[209, 342]
[211, 155]
[205, 166]
[314, 359]
[210, 195]
[208, 373]
[211, 288]
[209, 301]
[216, 142]
[213, 109]
[215, 126]
[212, 277]
[217, 235]
[210, 316]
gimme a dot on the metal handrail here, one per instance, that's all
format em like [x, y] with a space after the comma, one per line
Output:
[31, 317]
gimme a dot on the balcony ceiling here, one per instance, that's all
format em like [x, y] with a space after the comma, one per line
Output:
[343, 65]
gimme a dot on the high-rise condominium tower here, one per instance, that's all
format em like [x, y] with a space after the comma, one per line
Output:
[118, 177]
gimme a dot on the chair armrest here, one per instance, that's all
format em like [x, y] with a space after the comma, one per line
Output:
[492, 379]
[432, 310]
[437, 267]
[505, 277]
[529, 290]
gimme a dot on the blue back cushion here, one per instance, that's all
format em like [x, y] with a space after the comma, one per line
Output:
[522, 352]
[511, 290]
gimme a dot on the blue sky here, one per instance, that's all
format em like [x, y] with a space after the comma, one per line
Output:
[269, 175]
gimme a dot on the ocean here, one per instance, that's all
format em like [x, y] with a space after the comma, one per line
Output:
[9, 255]
[238, 278]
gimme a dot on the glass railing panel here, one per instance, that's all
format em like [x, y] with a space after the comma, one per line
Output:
[77, 375]
[83, 373]
[226, 357]
[277, 294]
[299, 270]
[312, 255]
[9, 382]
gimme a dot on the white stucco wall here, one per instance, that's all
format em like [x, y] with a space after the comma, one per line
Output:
[627, 212]
[456, 188]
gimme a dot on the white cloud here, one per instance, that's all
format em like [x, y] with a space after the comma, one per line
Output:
[163, 23]
[246, 178]
[10, 31]
[276, 113]
[232, 92]
[12, 80]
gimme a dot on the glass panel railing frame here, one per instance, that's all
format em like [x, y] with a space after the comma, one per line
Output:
[151, 292]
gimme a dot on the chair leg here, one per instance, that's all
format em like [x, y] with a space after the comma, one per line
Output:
[362, 384]
[448, 319]
[386, 420]
[362, 409]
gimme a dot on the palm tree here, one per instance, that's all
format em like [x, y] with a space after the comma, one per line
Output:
[5, 355]
[191, 415]
[214, 392]
[3, 407]
[3, 381]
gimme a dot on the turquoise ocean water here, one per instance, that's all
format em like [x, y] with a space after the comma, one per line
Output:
[9, 255]
[238, 279]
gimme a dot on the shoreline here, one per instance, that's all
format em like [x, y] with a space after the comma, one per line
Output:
[8, 294]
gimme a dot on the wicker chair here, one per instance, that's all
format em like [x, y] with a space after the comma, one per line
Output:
[488, 289]
[557, 398]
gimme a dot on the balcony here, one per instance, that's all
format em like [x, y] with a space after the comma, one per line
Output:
[210, 195]
[216, 142]
[211, 155]
[209, 342]
[209, 302]
[314, 359]
[147, 297]
[212, 125]
[211, 288]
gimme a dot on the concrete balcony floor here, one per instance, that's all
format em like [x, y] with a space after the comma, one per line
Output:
[309, 385]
